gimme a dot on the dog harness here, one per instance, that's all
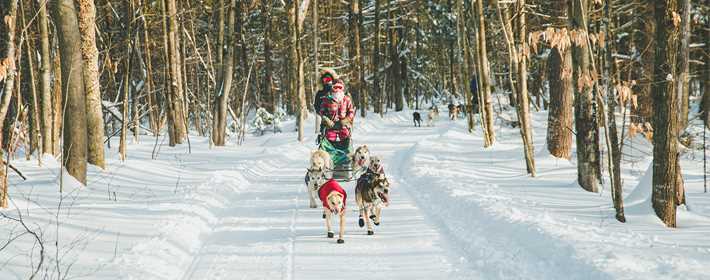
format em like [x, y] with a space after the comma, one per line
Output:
[329, 187]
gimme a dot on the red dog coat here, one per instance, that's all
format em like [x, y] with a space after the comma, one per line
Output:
[329, 187]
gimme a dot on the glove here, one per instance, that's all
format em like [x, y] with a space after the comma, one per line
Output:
[328, 122]
[347, 122]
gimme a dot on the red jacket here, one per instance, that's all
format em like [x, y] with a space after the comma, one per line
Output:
[336, 111]
[329, 187]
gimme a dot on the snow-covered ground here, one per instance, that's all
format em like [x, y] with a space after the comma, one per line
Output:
[458, 211]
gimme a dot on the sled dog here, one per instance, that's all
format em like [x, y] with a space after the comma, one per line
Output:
[417, 119]
[371, 194]
[315, 178]
[360, 159]
[321, 160]
[432, 116]
[333, 197]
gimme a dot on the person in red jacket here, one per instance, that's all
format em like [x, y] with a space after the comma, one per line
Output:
[337, 112]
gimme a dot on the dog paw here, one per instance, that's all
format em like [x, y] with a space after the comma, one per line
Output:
[313, 206]
[340, 241]
[323, 215]
[331, 235]
[369, 232]
[376, 223]
[361, 222]
[372, 217]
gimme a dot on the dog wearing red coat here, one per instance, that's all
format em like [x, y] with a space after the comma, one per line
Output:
[333, 197]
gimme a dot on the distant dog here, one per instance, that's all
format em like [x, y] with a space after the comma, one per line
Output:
[371, 194]
[360, 159]
[453, 111]
[432, 116]
[333, 197]
[315, 178]
[417, 119]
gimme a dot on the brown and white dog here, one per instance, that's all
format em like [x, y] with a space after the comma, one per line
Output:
[333, 197]
[360, 159]
[371, 194]
[432, 116]
[453, 112]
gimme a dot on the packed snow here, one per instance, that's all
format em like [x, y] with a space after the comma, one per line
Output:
[458, 211]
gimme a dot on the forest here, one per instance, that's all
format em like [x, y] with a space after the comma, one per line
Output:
[79, 76]
[84, 80]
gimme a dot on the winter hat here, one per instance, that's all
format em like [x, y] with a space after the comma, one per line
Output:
[328, 73]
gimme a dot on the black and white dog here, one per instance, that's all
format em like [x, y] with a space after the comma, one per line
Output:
[371, 194]
[417, 119]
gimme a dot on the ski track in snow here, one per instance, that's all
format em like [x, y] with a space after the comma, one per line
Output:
[458, 211]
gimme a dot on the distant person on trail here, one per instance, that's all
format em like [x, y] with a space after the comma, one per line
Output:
[336, 109]
[474, 95]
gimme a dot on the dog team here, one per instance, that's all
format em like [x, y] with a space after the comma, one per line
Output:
[371, 191]
[455, 112]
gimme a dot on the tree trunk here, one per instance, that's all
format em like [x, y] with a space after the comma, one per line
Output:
[585, 119]
[376, 62]
[46, 83]
[706, 87]
[7, 75]
[559, 119]
[484, 89]
[297, 77]
[75, 123]
[225, 85]
[90, 56]
[176, 80]
[645, 44]
[683, 79]
[356, 61]
[268, 64]
[524, 104]
[610, 68]
[666, 100]
[364, 95]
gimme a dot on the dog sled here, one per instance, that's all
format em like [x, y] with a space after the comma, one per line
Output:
[339, 152]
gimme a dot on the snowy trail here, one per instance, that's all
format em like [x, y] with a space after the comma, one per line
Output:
[270, 233]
